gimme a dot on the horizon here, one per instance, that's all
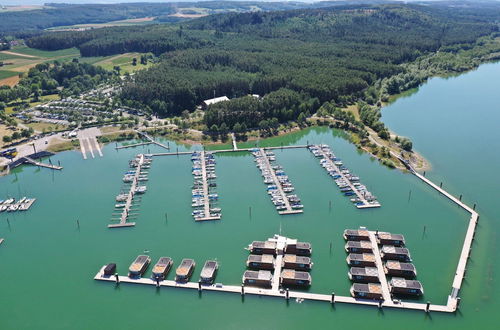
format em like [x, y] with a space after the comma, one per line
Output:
[74, 2]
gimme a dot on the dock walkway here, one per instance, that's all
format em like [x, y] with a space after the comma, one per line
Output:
[366, 204]
[206, 200]
[380, 267]
[269, 168]
[147, 137]
[130, 197]
[37, 163]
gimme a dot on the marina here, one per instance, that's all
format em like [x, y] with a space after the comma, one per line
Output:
[204, 197]
[279, 186]
[347, 182]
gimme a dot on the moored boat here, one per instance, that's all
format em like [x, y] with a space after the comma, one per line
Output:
[364, 274]
[161, 269]
[209, 271]
[291, 277]
[356, 235]
[260, 278]
[185, 270]
[361, 259]
[402, 286]
[139, 266]
[292, 261]
[261, 261]
[358, 247]
[367, 291]
[400, 269]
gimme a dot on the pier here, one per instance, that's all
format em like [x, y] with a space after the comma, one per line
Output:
[130, 196]
[331, 163]
[150, 139]
[207, 216]
[269, 169]
[380, 267]
[133, 145]
[40, 164]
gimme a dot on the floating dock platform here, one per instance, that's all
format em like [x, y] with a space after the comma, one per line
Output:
[267, 170]
[333, 166]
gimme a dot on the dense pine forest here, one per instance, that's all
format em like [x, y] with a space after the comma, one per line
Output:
[296, 59]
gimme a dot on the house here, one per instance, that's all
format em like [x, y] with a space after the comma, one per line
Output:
[206, 103]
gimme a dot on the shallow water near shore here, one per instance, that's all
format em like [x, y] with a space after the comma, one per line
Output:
[48, 263]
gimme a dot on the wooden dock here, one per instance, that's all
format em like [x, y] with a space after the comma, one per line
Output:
[40, 164]
[269, 168]
[273, 292]
[206, 200]
[228, 150]
[366, 204]
[380, 267]
[128, 203]
[133, 145]
[233, 138]
[150, 139]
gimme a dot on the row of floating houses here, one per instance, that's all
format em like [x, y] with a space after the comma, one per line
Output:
[279, 187]
[162, 268]
[10, 204]
[348, 183]
[396, 263]
[204, 196]
[278, 256]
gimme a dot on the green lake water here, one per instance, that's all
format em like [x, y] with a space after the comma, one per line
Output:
[48, 263]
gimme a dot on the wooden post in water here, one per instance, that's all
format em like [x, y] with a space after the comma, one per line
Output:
[409, 196]
[117, 279]
[78, 223]
[427, 307]
[250, 212]
[333, 298]
[8, 222]
[166, 217]
[330, 205]
[242, 289]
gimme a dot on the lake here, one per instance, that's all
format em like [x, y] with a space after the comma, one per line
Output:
[48, 263]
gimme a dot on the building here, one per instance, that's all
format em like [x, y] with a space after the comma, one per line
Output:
[206, 103]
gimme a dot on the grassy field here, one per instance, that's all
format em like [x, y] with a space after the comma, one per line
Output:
[7, 74]
[125, 22]
[46, 127]
[20, 59]
[124, 61]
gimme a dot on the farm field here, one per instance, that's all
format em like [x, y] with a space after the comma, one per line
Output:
[20, 59]
[125, 22]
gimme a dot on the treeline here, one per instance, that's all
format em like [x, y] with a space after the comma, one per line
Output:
[63, 15]
[336, 54]
[265, 113]
[66, 79]
[57, 14]
[156, 39]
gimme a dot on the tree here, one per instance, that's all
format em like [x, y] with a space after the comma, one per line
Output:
[214, 129]
[185, 114]
[6, 139]
[237, 128]
[144, 59]
[406, 144]
[134, 61]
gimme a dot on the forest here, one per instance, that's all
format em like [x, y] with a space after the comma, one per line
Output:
[296, 59]
[47, 78]
[60, 14]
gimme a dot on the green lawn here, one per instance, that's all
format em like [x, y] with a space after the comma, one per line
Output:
[7, 74]
[46, 54]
